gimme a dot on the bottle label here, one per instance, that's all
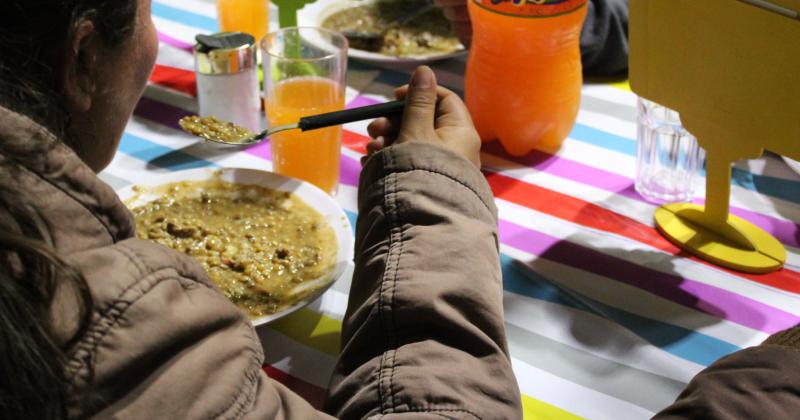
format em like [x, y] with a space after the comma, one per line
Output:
[531, 8]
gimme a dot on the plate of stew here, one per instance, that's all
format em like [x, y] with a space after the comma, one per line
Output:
[271, 244]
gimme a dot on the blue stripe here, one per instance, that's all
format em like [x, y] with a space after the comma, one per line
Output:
[686, 344]
[603, 139]
[353, 218]
[776, 187]
[185, 17]
[158, 155]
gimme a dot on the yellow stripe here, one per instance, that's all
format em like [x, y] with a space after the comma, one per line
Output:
[540, 410]
[322, 333]
[312, 329]
[623, 85]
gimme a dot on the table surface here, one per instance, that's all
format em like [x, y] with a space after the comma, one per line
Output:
[605, 318]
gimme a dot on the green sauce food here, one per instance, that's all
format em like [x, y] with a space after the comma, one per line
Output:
[430, 33]
[264, 249]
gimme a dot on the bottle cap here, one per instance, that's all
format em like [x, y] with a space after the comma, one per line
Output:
[225, 53]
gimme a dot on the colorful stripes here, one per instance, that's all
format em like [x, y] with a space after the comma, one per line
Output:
[310, 392]
[312, 329]
[177, 43]
[785, 231]
[533, 409]
[185, 17]
[591, 215]
[174, 78]
[686, 344]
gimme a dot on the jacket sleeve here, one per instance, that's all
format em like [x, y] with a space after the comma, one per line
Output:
[423, 334]
[604, 39]
[165, 344]
[756, 383]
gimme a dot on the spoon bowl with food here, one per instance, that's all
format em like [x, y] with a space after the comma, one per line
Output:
[213, 129]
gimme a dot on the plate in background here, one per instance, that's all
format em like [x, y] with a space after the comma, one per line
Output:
[314, 14]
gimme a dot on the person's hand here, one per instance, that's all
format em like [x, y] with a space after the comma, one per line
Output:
[432, 114]
[456, 12]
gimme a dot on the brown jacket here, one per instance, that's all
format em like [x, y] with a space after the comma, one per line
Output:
[423, 335]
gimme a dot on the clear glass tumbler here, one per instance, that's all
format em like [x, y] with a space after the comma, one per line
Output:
[304, 75]
[667, 155]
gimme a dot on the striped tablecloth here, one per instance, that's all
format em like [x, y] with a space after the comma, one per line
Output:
[605, 318]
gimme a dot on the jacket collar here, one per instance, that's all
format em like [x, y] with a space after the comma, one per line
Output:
[80, 210]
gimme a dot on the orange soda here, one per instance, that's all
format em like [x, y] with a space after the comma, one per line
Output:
[524, 75]
[312, 156]
[248, 16]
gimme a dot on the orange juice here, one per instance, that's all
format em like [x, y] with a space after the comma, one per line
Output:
[312, 156]
[249, 16]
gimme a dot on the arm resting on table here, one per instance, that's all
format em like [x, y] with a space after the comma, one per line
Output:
[758, 382]
[423, 335]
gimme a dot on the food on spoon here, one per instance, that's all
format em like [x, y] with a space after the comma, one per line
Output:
[214, 129]
[265, 249]
[430, 33]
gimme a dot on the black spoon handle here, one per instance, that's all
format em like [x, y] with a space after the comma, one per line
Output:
[351, 115]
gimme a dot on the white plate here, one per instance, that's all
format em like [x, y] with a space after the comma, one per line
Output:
[795, 165]
[311, 195]
[314, 14]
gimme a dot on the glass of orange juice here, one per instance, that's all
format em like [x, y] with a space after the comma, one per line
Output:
[304, 71]
[249, 16]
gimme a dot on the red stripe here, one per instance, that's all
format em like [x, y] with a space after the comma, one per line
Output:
[312, 393]
[355, 141]
[175, 78]
[593, 216]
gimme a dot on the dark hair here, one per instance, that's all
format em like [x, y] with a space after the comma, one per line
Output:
[33, 382]
[32, 34]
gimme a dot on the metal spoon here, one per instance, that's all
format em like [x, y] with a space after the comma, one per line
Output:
[208, 127]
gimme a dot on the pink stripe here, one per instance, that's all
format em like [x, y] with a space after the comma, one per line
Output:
[362, 101]
[160, 112]
[175, 42]
[687, 292]
[702, 297]
[785, 231]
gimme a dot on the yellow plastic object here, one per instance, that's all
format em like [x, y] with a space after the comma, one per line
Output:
[683, 224]
[730, 68]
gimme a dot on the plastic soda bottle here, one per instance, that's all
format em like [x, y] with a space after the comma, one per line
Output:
[524, 75]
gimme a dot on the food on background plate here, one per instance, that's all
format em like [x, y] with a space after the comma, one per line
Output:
[430, 33]
[265, 249]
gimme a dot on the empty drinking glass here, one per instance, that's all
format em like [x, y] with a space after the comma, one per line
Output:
[667, 155]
